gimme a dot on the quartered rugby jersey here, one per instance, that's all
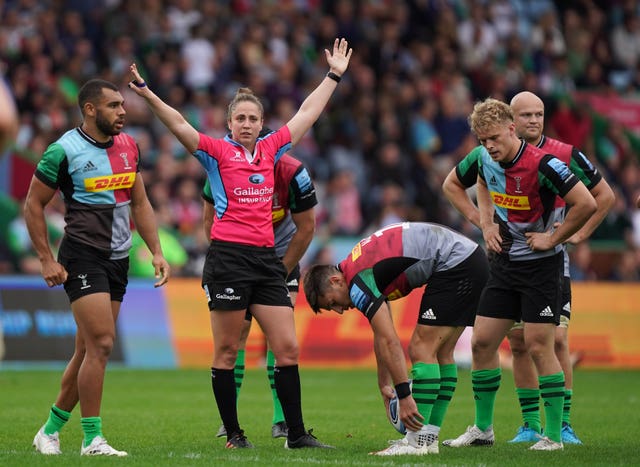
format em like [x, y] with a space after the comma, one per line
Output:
[95, 180]
[293, 192]
[523, 193]
[393, 261]
[242, 185]
[580, 166]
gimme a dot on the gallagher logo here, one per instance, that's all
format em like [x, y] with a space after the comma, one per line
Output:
[256, 179]
[112, 182]
[520, 203]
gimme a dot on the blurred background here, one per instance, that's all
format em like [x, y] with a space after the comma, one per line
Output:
[394, 128]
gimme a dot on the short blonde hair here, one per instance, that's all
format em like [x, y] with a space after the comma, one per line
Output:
[489, 113]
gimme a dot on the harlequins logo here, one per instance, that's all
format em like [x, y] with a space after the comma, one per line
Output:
[126, 161]
[83, 278]
[518, 180]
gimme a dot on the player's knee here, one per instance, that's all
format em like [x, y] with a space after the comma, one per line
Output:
[560, 344]
[103, 345]
[286, 353]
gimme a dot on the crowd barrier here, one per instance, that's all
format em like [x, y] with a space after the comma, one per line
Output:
[169, 327]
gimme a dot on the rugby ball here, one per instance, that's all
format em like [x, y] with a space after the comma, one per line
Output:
[393, 414]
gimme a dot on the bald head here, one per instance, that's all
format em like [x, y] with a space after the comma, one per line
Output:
[528, 113]
[524, 99]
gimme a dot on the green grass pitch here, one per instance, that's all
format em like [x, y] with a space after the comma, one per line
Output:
[169, 418]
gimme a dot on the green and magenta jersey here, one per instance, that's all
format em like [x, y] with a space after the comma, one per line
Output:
[578, 163]
[242, 186]
[524, 197]
[393, 261]
[95, 180]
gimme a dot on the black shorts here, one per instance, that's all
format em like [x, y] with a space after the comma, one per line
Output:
[529, 291]
[237, 276]
[89, 271]
[451, 297]
[293, 285]
[565, 309]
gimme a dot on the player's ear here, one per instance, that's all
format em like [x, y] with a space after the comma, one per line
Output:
[336, 279]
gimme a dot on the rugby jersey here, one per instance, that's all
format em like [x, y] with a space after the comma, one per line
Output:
[293, 192]
[393, 261]
[242, 185]
[578, 163]
[95, 180]
[523, 193]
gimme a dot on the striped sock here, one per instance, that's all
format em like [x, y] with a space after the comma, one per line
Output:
[448, 383]
[485, 385]
[57, 419]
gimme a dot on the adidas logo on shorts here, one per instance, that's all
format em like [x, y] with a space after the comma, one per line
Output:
[546, 312]
[428, 314]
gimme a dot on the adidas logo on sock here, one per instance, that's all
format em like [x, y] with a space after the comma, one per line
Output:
[546, 312]
[428, 314]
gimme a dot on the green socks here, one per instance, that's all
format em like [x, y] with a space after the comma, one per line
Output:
[92, 427]
[552, 393]
[57, 419]
[426, 386]
[238, 371]
[485, 385]
[278, 415]
[566, 409]
[530, 406]
[448, 383]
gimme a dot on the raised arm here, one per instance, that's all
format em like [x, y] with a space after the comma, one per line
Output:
[316, 101]
[170, 117]
[8, 118]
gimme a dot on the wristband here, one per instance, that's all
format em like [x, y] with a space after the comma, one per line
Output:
[139, 85]
[334, 77]
[403, 390]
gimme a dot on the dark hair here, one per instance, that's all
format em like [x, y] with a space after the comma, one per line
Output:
[316, 282]
[91, 91]
[244, 94]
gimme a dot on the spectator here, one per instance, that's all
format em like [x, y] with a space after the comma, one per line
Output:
[580, 268]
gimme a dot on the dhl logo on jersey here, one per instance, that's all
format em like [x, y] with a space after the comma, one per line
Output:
[396, 294]
[277, 215]
[356, 252]
[112, 182]
[520, 203]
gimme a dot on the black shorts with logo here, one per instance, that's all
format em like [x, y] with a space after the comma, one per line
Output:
[236, 276]
[530, 291]
[91, 271]
[451, 297]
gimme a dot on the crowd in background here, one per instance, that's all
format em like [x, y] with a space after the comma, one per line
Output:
[394, 128]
